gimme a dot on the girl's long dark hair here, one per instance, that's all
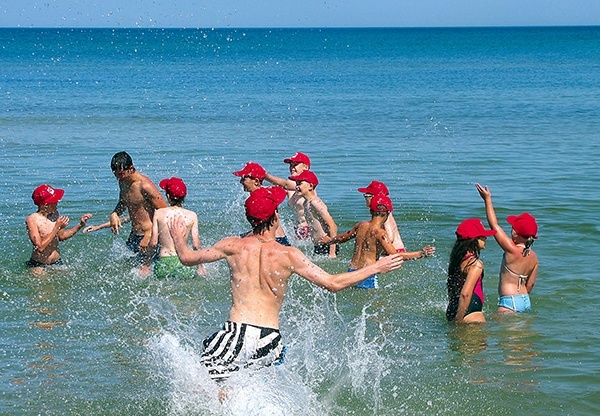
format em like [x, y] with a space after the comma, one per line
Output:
[456, 275]
[460, 249]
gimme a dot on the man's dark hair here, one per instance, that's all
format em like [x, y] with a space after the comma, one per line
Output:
[121, 161]
[258, 226]
[175, 201]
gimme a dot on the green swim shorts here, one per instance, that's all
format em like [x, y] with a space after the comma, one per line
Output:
[171, 267]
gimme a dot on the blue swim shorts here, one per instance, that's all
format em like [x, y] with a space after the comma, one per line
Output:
[369, 283]
[517, 303]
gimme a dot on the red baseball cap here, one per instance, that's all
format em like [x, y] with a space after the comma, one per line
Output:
[472, 228]
[174, 187]
[374, 188]
[306, 176]
[524, 224]
[298, 158]
[381, 203]
[253, 170]
[45, 194]
[263, 202]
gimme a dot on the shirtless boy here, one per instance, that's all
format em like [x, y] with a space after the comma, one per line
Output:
[316, 213]
[391, 227]
[259, 272]
[299, 162]
[251, 178]
[139, 196]
[372, 240]
[46, 228]
[167, 264]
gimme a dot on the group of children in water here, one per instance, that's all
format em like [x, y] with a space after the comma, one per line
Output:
[150, 215]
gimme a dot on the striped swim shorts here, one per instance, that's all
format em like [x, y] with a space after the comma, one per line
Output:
[239, 345]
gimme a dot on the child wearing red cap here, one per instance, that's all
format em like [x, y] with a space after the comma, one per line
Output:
[251, 178]
[372, 240]
[299, 162]
[465, 273]
[316, 213]
[46, 228]
[390, 225]
[167, 264]
[519, 268]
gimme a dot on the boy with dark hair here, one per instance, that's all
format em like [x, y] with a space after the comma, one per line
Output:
[140, 197]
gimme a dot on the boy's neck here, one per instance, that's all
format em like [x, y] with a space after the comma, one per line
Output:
[378, 219]
[308, 195]
[46, 210]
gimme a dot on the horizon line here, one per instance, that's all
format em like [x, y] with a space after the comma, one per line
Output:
[303, 27]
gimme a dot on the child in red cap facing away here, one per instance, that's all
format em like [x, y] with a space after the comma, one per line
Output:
[316, 213]
[167, 264]
[465, 273]
[390, 226]
[519, 267]
[46, 228]
[372, 240]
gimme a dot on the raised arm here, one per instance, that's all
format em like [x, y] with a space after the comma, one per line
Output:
[302, 266]
[288, 184]
[504, 241]
[188, 256]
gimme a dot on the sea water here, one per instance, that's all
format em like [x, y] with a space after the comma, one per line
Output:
[428, 111]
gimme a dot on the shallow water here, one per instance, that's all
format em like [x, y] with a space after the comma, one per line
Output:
[429, 112]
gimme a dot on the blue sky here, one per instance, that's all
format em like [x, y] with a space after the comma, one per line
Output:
[296, 13]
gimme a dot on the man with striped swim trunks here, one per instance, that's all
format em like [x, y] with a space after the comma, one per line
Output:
[260, 268]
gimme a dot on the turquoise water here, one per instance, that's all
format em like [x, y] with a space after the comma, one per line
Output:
[428, 111]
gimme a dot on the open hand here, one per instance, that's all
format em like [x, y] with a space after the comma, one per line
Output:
[428, 251]
[389, 263]
[484, 192]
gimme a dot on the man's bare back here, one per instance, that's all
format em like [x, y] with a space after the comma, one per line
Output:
[260, 269]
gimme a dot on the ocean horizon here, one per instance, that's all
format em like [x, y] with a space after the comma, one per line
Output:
[428, 111]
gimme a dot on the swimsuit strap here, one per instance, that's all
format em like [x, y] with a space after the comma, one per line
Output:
[520, 276]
